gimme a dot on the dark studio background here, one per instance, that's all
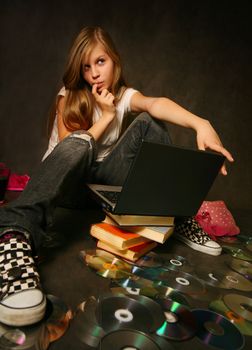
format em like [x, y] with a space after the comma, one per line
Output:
[198, 53]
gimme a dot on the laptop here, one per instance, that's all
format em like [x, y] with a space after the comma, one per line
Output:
[163, 180]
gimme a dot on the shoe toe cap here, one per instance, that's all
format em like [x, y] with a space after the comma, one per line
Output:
[212, 244]
[25, 299]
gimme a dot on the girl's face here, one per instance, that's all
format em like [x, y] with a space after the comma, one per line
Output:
[98, 68]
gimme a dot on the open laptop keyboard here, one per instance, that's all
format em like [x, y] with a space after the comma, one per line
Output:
[110, 195]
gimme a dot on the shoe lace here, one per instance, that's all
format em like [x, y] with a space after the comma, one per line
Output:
[20, 268]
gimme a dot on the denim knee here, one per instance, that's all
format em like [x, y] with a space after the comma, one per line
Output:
[76, 144]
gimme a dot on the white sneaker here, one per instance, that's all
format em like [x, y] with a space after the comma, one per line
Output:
[21, 300]
[195, 237]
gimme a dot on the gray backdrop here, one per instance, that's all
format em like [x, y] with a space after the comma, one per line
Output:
[198, 53]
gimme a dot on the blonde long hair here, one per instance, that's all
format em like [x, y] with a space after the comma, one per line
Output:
[79, 101]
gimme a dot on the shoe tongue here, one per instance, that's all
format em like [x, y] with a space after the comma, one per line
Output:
[12, 234]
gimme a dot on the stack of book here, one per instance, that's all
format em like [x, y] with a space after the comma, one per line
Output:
[131, 236]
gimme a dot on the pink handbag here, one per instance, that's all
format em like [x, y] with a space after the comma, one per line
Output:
[216, 220]
[17, 182]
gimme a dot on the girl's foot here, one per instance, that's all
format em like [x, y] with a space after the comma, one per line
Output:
[189, 232]
[21, 299]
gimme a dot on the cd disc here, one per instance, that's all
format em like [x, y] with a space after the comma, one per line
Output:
[137, 284]
[249, 245]
[228, 240]
[210, 293]
[217, 331]
[114, 312]
[147, 291]
[180, 323]
[58, 319]
[177, 262]
[241, 266]
[107, 265]
[238, 253]
[24, 338]
[101, 258]
[85, 324]
[40, 335]
[112, 271]
[240, 304]
[243, 325]
[225, 278]
[169, 261]
[180, 281]
[151, 259]
[133, 339]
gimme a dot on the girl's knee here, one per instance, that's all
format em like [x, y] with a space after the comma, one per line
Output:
[144, 117]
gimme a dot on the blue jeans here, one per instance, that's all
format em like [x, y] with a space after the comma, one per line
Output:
[61, 177]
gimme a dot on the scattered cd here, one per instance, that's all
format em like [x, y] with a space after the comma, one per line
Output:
[107, 265]
[177, 262]
[136, 285]
[150, 292]
[151, 274]
[178, 280]
[181, 281]
[244, 326]
[238, 253]
[217, 331]
[101, 257]
[59, 316]
[210, 293]
[168, 292]
[114, 312]
[240, 304]
[85, 325]
[135, 282]
[151, 259]
[23, 338]
[12, 338]
[112, 271]
[228, 239]
[133, 339]
[170, 261]
[247, 240]
[241, 266]
[249, 245]
[40, 335]
[225, 278]
[180, 323]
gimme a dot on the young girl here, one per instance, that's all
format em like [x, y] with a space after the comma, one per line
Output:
[85, 145]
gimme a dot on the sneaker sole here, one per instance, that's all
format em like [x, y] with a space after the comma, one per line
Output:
[198, 247]
[22, 317]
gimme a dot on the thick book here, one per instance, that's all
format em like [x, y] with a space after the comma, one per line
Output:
[155, 233]
[133, 253]
[119, 237]
[142, 220]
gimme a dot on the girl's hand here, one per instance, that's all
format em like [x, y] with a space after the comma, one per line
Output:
[208, 138]
[105, 100]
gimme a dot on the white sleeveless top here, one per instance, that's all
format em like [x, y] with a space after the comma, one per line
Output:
[110, 135]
